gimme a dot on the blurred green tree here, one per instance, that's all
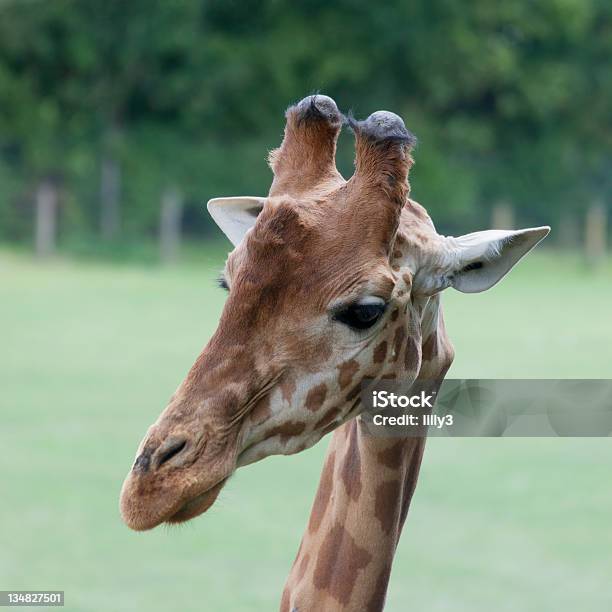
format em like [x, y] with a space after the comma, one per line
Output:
[118, 102]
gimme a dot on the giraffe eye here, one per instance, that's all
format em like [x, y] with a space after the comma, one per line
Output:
[362, 315]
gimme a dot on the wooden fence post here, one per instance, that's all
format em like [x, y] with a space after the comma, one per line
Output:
[170, 225]
[595, 236]
[46, 218]
[110, 197]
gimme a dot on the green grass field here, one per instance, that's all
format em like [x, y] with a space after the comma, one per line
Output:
[91, 353]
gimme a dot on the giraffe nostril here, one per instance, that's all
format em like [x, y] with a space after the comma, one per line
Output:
[143, 462]
[169, 449]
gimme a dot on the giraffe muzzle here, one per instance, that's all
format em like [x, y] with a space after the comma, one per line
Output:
[173, 479]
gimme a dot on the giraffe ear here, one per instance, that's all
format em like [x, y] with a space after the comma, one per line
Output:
[235, 216]
[480, 260]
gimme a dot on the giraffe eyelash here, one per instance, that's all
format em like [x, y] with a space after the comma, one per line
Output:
[222, 282]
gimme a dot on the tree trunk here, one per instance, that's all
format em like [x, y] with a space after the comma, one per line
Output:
[170, 225]
[595, 234]
[502, 216]
[46, 218]
[110, 197]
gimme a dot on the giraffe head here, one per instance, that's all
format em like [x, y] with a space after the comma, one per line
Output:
[327, 285]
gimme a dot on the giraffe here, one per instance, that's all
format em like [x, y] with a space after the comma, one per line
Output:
[331, 282]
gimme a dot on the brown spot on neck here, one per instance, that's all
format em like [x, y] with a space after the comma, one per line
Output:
[323, 493]
[387, 506]
[287, 430]
[347, 370]
[411, 358]
[316, 397]
[339, 563]
[351, 466]
[393, 456]
[412, 475]
[380, 352]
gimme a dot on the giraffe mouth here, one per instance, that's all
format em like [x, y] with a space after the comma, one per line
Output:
[198, 504]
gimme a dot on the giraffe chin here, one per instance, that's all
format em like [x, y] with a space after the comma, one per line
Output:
[144, 513]
[197, 505]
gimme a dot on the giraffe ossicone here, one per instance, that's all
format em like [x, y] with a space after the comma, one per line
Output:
[331, 281]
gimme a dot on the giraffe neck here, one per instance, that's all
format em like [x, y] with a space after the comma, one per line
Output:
[345, 557]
